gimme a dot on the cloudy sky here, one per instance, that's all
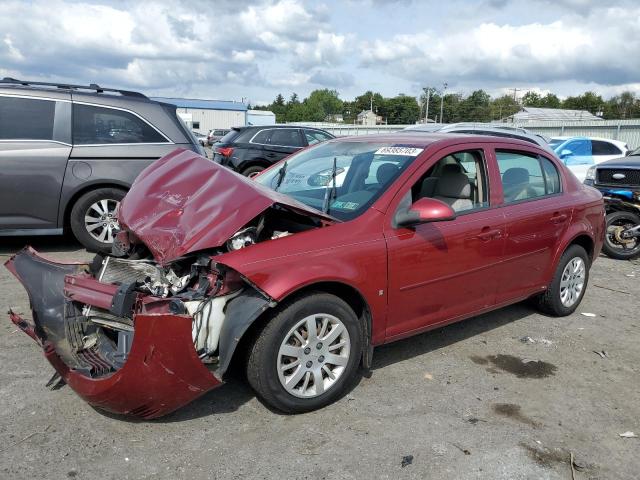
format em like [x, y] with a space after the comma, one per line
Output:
[230, 49]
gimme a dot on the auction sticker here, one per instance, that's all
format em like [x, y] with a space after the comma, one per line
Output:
[403, 151]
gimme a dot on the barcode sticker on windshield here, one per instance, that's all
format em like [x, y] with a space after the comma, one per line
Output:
[404, 151]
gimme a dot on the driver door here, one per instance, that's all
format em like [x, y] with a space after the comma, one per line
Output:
[441, 272]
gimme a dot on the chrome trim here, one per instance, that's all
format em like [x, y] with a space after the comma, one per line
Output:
[34, 97]
[29, 140]
[273, 144]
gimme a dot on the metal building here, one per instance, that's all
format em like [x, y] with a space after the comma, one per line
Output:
[205, 115]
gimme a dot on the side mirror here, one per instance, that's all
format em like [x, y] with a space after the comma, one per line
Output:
[565, 153]
[425, 210]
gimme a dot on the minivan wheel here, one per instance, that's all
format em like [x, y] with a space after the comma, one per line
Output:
[93, 218]
[252, 171]
[568, 285]
[307, 354]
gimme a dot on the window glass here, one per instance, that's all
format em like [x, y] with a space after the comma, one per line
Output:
[577, 147]
[262, 137]
[196, 125]
[314, 137]
[98, 125]
[459, 180]
[287, 137]
[551, 176]
[604, 148]
[521, 175]
[26, 119]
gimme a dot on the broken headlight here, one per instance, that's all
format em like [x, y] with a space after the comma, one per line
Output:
[244, 238]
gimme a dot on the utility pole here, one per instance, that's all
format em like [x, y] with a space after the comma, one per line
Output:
[444, 89]
[426, 115]
[515, 93]
[371, 105]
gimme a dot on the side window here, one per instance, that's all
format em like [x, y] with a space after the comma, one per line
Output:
[459, 180]
[314, 137]
[604, 148]
[26, 119]
[196, 125]
[551, 176]
[523, 177]
[262, 137]
[578, 148]
[98, 125]
[286, 137]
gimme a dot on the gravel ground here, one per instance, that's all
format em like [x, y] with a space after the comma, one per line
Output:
[471, 400]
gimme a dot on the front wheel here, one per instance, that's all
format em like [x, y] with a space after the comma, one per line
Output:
[569, 283]
[307, 354]
[616, 245]
[93, 218]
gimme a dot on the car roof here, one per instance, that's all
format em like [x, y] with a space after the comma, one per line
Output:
[583, 137]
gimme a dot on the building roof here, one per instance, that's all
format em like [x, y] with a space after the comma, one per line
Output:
[203, 104]
[536, 113]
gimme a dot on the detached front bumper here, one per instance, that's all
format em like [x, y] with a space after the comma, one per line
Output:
[149, 371]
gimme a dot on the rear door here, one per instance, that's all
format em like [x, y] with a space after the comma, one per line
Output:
[283, 142]
[34, 148]
[536, 215]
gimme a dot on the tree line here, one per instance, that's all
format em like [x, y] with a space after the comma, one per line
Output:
[325, 105]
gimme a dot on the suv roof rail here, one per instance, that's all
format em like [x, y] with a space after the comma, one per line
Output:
[93, 86]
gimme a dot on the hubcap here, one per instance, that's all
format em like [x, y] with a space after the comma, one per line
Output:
[572, 282]
[100, 220]
[313, 355]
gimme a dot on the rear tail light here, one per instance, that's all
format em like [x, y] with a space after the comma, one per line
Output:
[224, 151]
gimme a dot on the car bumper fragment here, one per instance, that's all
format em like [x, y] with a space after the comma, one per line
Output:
[160, 373]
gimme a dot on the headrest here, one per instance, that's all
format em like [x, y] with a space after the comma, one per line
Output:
[453, 185]
[386, 172]
[515, 176]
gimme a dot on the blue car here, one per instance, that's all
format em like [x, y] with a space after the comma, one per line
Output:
[580, 153]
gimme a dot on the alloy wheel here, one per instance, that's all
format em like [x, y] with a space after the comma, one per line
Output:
[313, 355]
[572, 281]
[100, 220]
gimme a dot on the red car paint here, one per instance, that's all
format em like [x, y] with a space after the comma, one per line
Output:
[410, 279]
[184, 203]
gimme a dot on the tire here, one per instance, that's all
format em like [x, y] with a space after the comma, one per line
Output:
[252, 170]
[551, 301]
[86, 207]
[615, 249]
[266, 356]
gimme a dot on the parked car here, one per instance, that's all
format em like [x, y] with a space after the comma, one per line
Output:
[619, 182]
[249, 150]
[302, 282]
[200, 137]
[580, 153]
[214, 136]
[69, 153]
[491, 129]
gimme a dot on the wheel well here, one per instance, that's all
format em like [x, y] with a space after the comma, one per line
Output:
[67, 209]
[341, 290]
[585, 242]
[254, 163]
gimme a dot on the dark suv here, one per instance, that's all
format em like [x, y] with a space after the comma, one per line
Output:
[249, 150]
[69, 153]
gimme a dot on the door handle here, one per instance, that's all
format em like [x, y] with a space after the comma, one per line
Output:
[487, 234]
[559, 217]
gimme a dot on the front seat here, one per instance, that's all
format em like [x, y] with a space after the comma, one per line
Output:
[454, 189]
[515, 184]
[385, 173]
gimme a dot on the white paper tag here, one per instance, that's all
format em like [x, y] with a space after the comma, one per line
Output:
[402, 151]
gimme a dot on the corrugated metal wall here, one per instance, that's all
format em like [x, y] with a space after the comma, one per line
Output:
[210, 119]
[624, 130]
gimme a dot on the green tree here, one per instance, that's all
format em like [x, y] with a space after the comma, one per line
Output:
[531, 99]
[401, 110]
[503, 107]
[589, 101]
[321, 104]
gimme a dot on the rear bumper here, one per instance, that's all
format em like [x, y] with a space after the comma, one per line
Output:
[158, 374]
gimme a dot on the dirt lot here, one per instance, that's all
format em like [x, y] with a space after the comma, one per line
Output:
[467, 401]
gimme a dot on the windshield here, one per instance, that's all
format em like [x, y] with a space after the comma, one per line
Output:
[340, 178]
[556, 141]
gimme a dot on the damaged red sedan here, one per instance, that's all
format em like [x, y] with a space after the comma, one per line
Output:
[301, 271]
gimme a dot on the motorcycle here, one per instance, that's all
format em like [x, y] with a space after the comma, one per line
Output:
[622, 237]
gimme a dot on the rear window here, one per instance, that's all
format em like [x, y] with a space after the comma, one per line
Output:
[604, 148]
[26, 119]
[229, 137]
[101, 125]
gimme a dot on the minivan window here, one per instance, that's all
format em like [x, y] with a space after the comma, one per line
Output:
[26, 119]
[98, 125]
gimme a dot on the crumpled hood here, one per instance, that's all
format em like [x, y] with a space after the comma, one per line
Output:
[184, 202]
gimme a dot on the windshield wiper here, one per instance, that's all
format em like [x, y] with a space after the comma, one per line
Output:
[281, 173]
[330, 193]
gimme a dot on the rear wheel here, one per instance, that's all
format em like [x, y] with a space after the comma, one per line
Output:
[307, 354]
[252, 171]
[568, 285]
[615, 244]
[93, 218]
